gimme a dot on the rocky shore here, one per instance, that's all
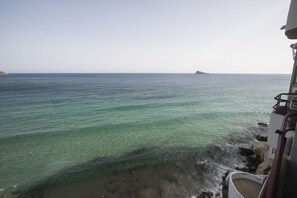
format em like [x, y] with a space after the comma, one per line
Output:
[256, 160]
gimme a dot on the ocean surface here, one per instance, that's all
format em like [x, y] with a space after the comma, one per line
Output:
[127, 135]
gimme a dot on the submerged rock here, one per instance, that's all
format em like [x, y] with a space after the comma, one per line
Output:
[148, 193]
[261, 138]
[205, 195]
[262, 124]
[245, 151]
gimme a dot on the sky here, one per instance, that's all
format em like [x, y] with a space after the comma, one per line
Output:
[144, 36]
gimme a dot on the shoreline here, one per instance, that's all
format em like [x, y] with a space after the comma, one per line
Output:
[256, 160]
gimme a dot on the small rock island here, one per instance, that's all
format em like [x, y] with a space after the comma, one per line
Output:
[199, 72]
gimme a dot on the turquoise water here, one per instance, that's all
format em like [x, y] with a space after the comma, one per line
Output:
[51, 123]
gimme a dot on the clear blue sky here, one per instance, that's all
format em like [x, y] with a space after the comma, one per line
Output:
[171, 36]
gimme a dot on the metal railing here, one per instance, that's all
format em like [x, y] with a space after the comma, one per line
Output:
[286, 102]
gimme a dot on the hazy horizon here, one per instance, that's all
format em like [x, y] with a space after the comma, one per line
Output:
[144, 37]
[143, 73]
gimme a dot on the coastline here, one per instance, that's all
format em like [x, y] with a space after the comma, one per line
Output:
[256, 160]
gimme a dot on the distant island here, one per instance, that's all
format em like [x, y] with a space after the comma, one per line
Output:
[199, 72]
[2, 72]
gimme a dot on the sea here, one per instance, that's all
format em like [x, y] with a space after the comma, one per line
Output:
[128, 135]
